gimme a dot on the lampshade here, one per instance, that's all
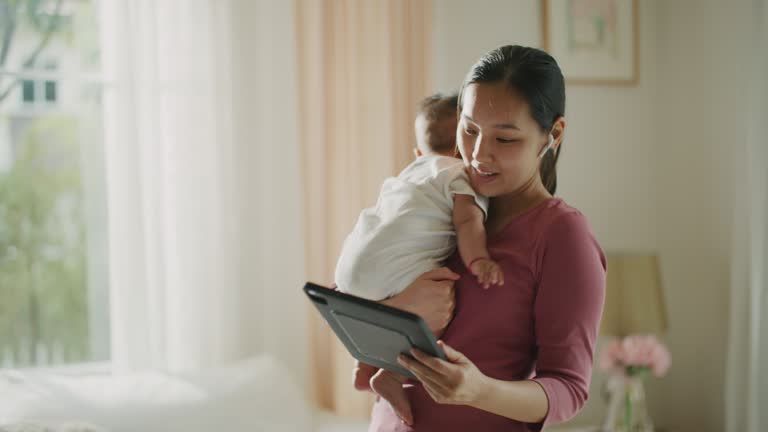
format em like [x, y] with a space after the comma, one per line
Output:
[634, 302]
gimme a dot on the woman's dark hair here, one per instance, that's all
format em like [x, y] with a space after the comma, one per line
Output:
[537, 77]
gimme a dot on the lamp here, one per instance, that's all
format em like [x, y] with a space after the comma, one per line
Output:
[634, 302]
[634, 306]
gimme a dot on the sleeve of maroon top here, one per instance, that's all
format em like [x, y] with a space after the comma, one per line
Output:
[567, 311]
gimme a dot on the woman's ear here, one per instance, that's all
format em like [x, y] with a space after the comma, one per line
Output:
[558, 132]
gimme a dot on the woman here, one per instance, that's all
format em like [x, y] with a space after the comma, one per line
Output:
[519, 355]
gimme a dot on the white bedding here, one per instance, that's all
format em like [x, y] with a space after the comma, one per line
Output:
[254, 395]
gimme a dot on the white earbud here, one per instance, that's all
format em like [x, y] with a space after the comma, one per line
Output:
[547, 147]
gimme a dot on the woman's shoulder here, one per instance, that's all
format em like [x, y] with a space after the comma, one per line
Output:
[554, 211]
[557, 221]
[566, 238]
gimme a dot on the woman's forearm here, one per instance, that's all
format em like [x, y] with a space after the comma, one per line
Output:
[524, 401]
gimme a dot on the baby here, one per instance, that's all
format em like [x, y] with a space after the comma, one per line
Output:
[411, 231]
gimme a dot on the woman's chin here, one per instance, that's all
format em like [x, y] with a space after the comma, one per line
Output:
[487, 190]
[485, 185]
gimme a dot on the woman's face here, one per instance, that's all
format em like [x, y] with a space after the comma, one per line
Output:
[498, 133]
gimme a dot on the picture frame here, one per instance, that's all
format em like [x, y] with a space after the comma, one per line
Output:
[595, 42]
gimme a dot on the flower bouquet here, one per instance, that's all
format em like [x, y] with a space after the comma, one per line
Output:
[630, 360]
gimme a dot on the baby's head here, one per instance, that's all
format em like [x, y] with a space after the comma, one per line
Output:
[435, 126]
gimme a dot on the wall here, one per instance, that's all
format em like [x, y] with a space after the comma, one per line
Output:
[606, 164]
[647, 165]
[701, 122]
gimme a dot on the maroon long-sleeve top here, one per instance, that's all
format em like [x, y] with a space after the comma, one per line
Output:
[541, 324]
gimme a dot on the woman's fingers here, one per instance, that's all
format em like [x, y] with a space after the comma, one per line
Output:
[447, 285]
[425, 374]
[436, 384]
[433, 392]
[414, 365]
[451, 354]
[437, 393]
[441, 273]
[434, 363]
[419, 369]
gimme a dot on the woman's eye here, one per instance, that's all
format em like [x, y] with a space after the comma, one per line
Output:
[469, 131]
[506, 141]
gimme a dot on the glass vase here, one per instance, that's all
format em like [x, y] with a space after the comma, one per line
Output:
[627, 409]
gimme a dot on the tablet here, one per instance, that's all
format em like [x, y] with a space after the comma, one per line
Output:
[372, 332]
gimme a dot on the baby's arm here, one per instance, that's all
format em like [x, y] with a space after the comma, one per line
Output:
[468, 222]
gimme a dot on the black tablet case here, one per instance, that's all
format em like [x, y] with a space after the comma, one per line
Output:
[372, 332]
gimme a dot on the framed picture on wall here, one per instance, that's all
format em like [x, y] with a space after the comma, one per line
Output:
[593, 41]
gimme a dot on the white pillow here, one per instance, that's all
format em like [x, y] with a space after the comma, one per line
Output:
[254, 395]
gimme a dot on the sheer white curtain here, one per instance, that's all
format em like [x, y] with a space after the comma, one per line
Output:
[204, 253]
[364, 67]
[747, 374]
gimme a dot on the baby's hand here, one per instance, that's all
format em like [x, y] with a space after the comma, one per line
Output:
[487, 271]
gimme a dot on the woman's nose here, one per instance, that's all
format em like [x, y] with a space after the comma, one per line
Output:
[482, 150]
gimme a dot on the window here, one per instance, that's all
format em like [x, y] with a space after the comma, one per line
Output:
[53, 272]
[28, 91]
[49, 85]
[43, 90]
[50, 91]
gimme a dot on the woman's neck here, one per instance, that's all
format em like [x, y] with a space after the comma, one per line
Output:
[504, 208]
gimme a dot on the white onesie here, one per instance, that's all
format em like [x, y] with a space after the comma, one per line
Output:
[409, 232]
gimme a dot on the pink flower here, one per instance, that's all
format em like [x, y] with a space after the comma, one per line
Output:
[638, 351]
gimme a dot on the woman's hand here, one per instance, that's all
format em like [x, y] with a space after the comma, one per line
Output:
[456, 381]
[431, 296]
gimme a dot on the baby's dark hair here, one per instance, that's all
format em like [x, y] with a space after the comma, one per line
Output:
[436, 109]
